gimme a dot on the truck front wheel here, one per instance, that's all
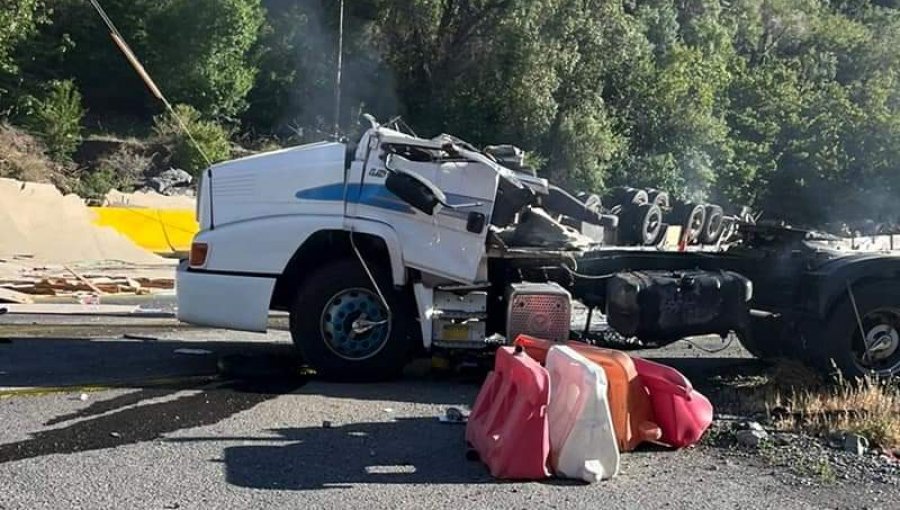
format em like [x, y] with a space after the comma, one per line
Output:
[343, 329]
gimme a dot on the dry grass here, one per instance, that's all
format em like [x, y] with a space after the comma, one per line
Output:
[868, 407]
[797, 399]
[23, 157]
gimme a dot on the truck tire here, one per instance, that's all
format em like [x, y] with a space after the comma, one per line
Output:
[842, 349]
[712, 224]
[330, 302]
[691, 217]
[640, 224]
[623, 196]
[658, 197]
[593, 202]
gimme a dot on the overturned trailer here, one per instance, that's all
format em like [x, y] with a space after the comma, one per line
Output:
[398, 244]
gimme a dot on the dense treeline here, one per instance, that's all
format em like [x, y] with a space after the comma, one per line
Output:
[792, 106]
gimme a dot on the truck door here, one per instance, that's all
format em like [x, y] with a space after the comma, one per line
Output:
[450, 243]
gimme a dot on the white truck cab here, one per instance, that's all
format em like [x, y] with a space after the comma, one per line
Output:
[322, 232]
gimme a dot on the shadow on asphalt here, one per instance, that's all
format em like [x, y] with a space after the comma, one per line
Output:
[55, 362]
[129, 418]
[405, 451]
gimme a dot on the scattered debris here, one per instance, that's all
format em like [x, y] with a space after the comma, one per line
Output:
[131, 336]
[856, 444]
[13, 296]
[173, 181]
[148, 199]
[72, 286]
[89, 299]
[84, 280]
[783, 439]
[751, 438]
[752, 425]
[454, 415]
[193, 352]
[79, 309]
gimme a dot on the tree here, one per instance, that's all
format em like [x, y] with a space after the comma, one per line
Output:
[19, 20]
[199, 52]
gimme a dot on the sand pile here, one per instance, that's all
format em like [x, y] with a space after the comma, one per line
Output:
[37, 220]
[149, 199]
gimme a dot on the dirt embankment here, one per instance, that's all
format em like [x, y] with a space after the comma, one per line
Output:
[38, 221]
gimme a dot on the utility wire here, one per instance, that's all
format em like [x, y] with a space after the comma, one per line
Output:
[148, 80]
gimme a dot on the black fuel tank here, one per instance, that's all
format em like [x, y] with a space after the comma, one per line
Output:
[665, 306]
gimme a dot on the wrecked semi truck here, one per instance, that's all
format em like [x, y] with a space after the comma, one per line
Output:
[400, 244]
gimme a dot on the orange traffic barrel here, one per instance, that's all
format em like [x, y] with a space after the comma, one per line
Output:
[629, 403]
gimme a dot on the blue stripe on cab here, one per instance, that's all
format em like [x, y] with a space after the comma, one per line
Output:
[375, 195]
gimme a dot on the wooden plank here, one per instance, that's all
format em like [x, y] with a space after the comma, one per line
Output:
[11, 296]
[83, 280]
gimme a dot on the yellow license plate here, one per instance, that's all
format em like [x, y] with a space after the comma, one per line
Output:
[456, 332]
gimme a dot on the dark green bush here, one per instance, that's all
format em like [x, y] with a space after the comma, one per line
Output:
[56, 118]
[212, 139]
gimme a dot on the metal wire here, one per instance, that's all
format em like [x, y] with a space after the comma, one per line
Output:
[710, 351]
[365, 266]
[148, 80]
[862, 330]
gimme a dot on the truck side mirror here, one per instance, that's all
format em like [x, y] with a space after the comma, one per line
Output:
[413, 189]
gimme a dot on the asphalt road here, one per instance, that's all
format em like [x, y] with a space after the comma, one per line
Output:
[94, 420]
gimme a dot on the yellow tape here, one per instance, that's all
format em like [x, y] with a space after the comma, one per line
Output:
[162, 231]
[39, 391]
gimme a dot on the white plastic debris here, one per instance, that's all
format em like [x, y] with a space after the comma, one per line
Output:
[193, 352]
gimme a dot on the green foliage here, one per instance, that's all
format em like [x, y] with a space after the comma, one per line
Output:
[96, 184]
[212, 139]
[56, 118]
[199, 52]
[790, 106]
[18, 21]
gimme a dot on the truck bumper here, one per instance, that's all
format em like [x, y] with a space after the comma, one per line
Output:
[223, 300]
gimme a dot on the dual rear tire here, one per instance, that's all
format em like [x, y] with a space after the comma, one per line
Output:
[867, 346]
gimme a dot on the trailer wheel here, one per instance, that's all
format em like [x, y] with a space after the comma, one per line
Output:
[876, 350]
[342, 328]
[691, 217]
[712, 224]
[592, 202]
[623, 195]
[658, 197]
[640, 224]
